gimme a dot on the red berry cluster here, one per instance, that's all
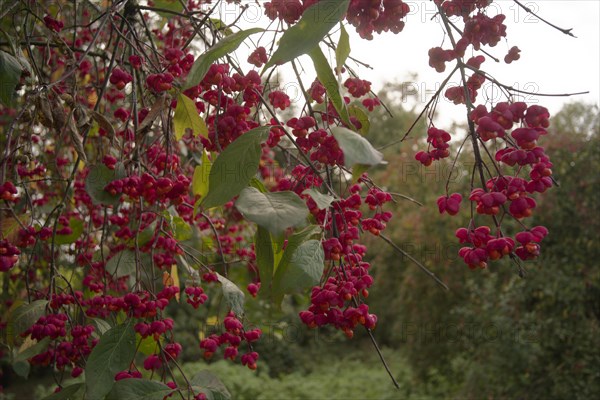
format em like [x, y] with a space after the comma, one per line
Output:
[438, 139]
[152, 190]
[63, 351]
[279, 99]
[231, 119]
[330, 304]
[367, 16]
[160, 82]
[357, 87]
[377, 16]
[285, 10]
[195, 296]
[232, 338]
[9, 192]
[53, 24]
[505, 193]
[120, 78]
[513, 55]
[339, 301]
[258, 57]
[9, 255]
[136, 305]
[461, 8]
[155, 362]
[449, 204]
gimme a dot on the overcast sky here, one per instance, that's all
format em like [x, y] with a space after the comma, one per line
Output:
[551, 62]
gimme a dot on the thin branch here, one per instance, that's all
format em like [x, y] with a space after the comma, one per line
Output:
[530, 11]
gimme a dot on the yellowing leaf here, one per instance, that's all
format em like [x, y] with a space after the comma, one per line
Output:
[175, 280]
[187, 117]
[342, 50]
[201, 176]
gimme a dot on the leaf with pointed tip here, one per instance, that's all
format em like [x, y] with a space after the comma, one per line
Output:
[76, 225]
[303, 271]
[160, 104]
[187, 117]
[357, 149]
[103, 123]
[316, 22]
[275, 211]
[233, 295]
[10, 74]
[342, 51]
[323, 200]
[113, 353]
[209, 384]
[121, 264]
[295, 241]
[234, 167]
[30, 348]
[221, 49]
[331, 84]
[100, 176]
[26, 315]
[362, 117]
[171, 5]
[265, 258]
[139, 389]
[70, 392]
[201, 176]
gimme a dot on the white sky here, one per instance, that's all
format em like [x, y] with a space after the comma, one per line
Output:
[551, 62]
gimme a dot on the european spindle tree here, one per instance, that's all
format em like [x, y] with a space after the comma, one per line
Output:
[142, 164]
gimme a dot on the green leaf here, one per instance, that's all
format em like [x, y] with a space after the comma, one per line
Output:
[172, 5]
[121, 264]
[113, 353]
[265, 258]
[10, 321]
[274, 211]
[219, 25]
[181, 229]
[76, 225]
[201, 176]
[21, 368]
[362, 117]
[323, 200]
[147, 234]
[255, 183]
[101, 326]
[98, 177]
[342, 51]
[331, 84]
[70, 392]
[187, 117]
[209, 384]
[10, 74]
[138, 389]
[357, 149]
[26, 315]
[303, 271]
[316, 22]
[295, 241]
[221, 49]
[358, 170]
[233, 295]
[30, 348]
[146, 345]
[234, 168]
